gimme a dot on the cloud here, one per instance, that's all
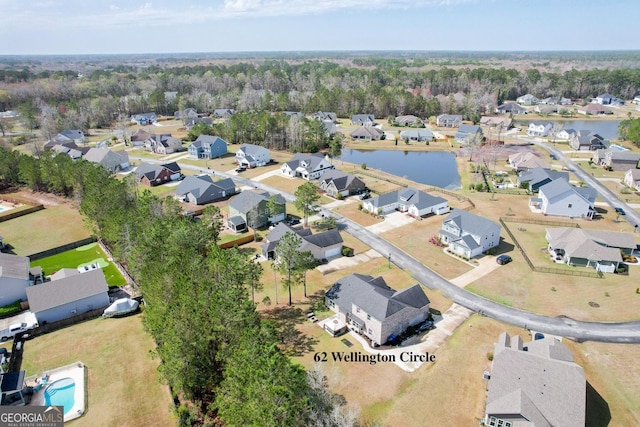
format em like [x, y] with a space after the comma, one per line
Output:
[118, 14]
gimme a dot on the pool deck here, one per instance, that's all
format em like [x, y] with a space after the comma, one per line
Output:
[74, 371]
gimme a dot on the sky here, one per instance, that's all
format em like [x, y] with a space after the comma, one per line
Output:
[164, 26]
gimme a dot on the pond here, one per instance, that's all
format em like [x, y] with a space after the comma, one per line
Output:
[607, 129]
[438, 168]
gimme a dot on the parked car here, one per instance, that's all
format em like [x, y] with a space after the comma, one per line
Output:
[364, 196]
[503, 259]
[240, 169]
[620, 211]
[293, 221]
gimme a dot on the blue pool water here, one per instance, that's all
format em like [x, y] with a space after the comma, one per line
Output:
[61, 393]
[619, 148]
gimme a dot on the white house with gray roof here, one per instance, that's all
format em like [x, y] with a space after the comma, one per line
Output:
[407, 120]
[449, 120]
[589, 248]
[363, 120]
[368, 306]
[537, 177]
[367, 133]
[251, 155]
[468, 234]
[15, 277]
[539, 128]
[307, 166]
[467, 133]
[410, 200]
[419, 135]
[559, 198]
[535, 384]
[527, 99]
[68, 295]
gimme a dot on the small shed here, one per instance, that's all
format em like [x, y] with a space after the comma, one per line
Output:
[237, 224]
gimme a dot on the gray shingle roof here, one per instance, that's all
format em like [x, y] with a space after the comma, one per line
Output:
[65, 290]
[407, 196]
[204, 189]
[340, 179]
[543, 385]
[14, 266]
[374, 296]
[559, 186]
[247, 200]
[471, 223]
[417, 134]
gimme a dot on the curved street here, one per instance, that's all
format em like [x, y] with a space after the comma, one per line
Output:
[621, 332]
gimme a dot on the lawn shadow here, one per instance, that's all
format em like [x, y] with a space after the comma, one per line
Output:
[598, 413]
[285, 320]
[504, 247]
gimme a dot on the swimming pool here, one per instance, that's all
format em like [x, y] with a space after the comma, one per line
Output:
[61, 393]
[619, 148]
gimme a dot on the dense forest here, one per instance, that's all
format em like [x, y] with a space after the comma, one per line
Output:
[381, 86]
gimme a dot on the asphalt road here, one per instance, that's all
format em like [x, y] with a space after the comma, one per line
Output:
[622, 332]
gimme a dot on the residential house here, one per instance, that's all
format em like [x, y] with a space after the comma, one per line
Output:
[330, 128]
[16, 277]
[323, 245]
[636, 100]
[144, 119]
[114, 161]
[336, 182]
[607, 99]
[632, 179]
[468, 234]
[68, 138]
[170, 96]
[560, 198]
[207, 147]
[325, 115]
[408, 120]
[449, 120]
[566, 134]
[422, 134]
[152, 175]
[539, 128]
[496, 122]
[594, 110]
[511, 108]
[251, 156]
[546, 109]
[72, 153]
[370, 307]
[223, 113]
[526, 160]
[73, 294]
[253, 208]
[467, 133]
[307, 166]
[589, 248]
[584, 140]
[163, 143]
[367, 133]
[190, 123]
[363, 120]
[201, 189]
[410, 200]
[186, 114]
[614, 159]
[139, 137]
[237, 224]
[527, 99]
[556, 100]
[537, 177]
[296, 114]
[534, 384]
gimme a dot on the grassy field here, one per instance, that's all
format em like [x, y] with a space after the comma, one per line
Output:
[122, 382]
[56, 225]
[83, 255]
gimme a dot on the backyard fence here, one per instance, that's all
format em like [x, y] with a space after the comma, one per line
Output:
[537, 269]
[239, 241]
[127, 277]
[63, 248]
[18, 212]
[540, 222]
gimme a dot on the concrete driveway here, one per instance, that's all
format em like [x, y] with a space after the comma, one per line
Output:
[391, 221]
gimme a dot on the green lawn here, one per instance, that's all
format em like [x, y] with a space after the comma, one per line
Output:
[82, 256]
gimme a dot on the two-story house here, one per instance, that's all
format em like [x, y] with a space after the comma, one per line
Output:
[253, 208]
[207, 147]
[539, 128]
[560, 198]
[370, 307]
[468, 234]
[449, 120]
[324, 245]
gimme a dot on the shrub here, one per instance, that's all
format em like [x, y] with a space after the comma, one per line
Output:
[364, 166]
[359, 206]
[10, 309]
[490, 356]
[347, 251]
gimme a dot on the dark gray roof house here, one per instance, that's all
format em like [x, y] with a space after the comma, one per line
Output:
[324, 245]
[363, 120]
[201, 189]
[337, 182]
[537, 177]
[417, 135]
[208, 147]
[535, 384]
[144, 119]
[253, 207]
[587, 140]
[369, 306]
[367, 133]
[152, 175]
[223, 112]
[407, 120]
[325, 115]
[511, 108]
[74, 293]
